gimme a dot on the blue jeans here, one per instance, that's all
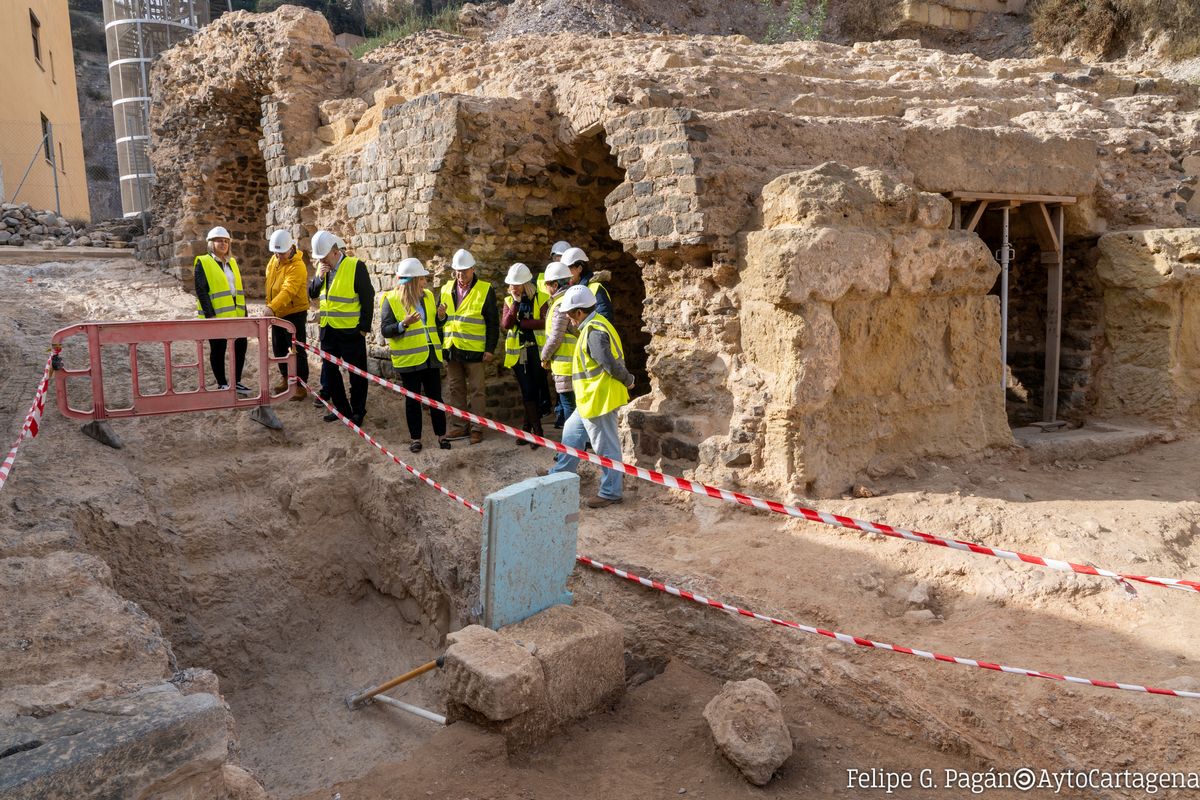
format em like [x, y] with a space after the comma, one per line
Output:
[601, 431]
[566, 404]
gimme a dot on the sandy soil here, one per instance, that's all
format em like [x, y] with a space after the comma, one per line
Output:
[281, 559]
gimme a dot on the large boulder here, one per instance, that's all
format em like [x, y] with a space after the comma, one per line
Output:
[746, 720]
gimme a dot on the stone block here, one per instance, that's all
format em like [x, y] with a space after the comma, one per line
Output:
[491, 675]
[155, 743]
[581, 652]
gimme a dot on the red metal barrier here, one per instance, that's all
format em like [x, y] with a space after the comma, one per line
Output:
[193, 331]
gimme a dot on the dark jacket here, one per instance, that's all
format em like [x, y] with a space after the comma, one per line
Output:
[491, 324]
[603, 301]
[362, 288]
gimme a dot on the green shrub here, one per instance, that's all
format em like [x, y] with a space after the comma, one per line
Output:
[798, 19]
[408, 22]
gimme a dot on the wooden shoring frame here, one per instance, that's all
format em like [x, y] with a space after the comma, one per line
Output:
[1045, 215]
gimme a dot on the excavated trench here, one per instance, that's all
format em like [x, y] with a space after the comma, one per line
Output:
[295, 585]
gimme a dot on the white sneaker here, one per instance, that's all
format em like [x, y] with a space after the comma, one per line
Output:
[243, 390]
[222, 387]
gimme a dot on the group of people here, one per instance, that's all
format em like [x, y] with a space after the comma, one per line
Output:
[557, 326]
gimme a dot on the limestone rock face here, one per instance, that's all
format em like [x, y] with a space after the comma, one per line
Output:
[746, 720]
[1151, 282]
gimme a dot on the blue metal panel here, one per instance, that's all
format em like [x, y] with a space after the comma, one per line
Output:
[530, 532]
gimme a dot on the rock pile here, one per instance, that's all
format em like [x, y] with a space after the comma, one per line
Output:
[21, 224]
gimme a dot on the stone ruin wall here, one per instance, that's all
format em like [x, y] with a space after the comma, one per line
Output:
[781, 254]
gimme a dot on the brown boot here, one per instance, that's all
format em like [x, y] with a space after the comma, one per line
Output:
[456, 433]
[280, 387]
[299, 394]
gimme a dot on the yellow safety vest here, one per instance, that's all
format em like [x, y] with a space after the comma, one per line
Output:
[410, 348]
[560, 363]
[512, 343]
[464, 326]
[340, 307]
[596, 392]
[227, 301]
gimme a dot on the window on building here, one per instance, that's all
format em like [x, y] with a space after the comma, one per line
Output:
[47, 147]
[62, 160]
[53, 77]
[36, 27]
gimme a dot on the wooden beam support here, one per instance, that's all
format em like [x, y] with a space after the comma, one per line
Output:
[973, 197]
[1054, 278]
[1043, 227]
[978, 215]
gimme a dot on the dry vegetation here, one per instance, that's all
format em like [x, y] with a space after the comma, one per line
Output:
[1107, 28]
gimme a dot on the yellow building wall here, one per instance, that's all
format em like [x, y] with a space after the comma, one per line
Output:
[31, 88]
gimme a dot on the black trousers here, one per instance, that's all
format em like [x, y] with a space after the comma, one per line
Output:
[532, 378]
[281, 340]
[351, 346]
[427, 381]
[216, 359]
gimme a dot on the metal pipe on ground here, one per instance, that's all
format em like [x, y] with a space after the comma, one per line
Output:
[360, 699]
[420, 712]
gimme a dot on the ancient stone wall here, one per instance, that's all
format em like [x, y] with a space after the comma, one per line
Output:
[782, 352]
[1152, 323]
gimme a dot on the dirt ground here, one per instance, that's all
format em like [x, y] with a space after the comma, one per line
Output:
[299, 566]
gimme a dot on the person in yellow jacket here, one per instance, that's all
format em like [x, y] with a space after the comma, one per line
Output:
[524, 322]
[287, 298]
[601, 383]
[470, 331]
[219, 295]
[408, 320]
[347, 303]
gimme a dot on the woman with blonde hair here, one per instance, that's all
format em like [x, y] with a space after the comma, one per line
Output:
[408, 321]
[524, 323]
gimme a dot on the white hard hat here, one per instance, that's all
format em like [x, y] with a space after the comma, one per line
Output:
[573, 256]
[281, 241]
[411, 268]
[217, 233]
[559, 248]
[462, 260]
[518, 275]
[558, 271]
[577, 297]
[323, 242]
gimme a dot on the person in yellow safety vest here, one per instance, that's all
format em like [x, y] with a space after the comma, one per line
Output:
[581, 275]
[602, 385]
[219, 295]
[524, 321]
[556, 251]
[559, 348]
[408, 320]
[550, 403]
[287, 298]
[347, 303]
[469, 334]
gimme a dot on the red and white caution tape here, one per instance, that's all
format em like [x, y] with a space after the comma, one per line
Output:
[873, 645]
[708, 601]
[371, 439]
[812, 515]
[32, 424]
